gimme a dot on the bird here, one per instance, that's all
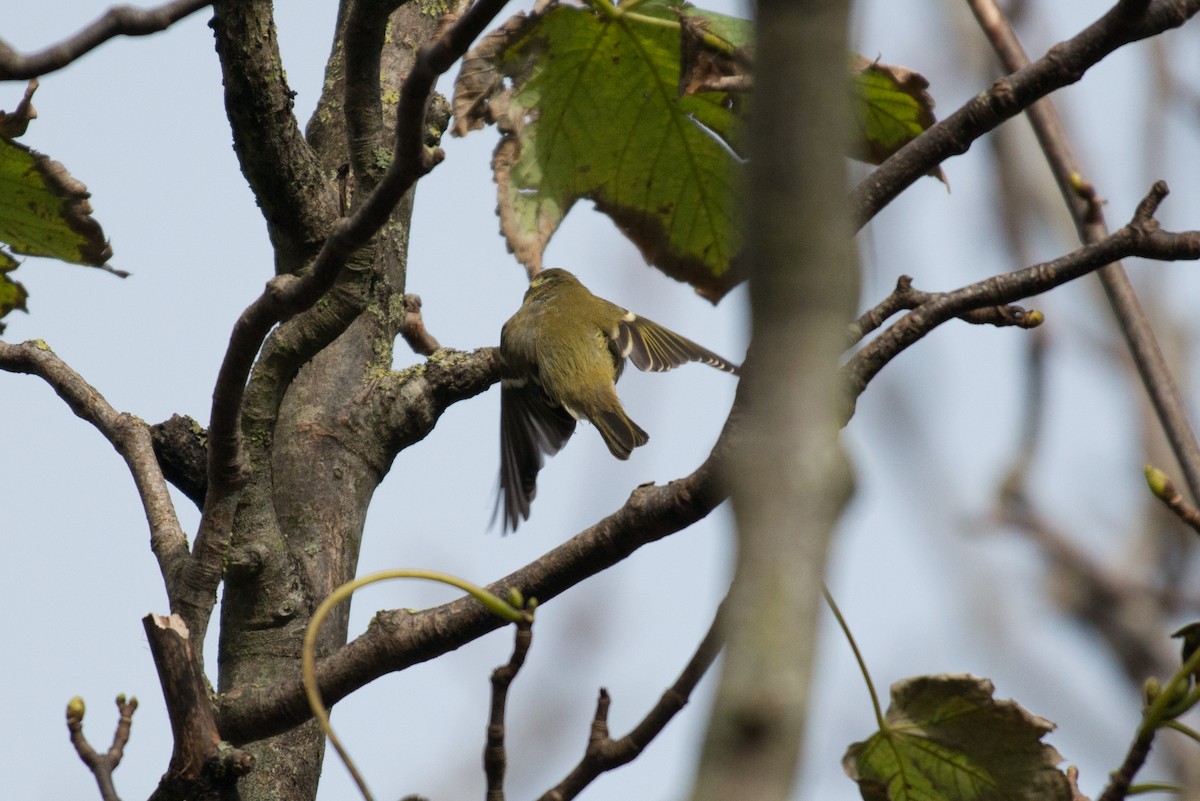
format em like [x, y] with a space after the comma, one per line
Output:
[560, 357]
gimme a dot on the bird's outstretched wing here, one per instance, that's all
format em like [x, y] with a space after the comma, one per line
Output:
[653, 347]
[530, 427]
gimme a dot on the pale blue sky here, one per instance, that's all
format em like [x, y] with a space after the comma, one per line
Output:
[927, 584]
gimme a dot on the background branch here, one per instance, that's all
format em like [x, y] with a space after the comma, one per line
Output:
[604, 753]
[117, 21]
[1063, 65]
[1141, 237]
[1088, 215]
[495, 759]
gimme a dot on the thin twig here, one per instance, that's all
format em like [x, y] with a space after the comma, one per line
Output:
[117, 21]
[1063, 65]
[1141, 237]
[1086, 209]
[1135, 757]
[604, 753]
[102, 765]
[1164, 489]
[904, 296]
[495, 759]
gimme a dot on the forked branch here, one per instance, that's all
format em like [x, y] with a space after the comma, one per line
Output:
[604, 753]
[1085, 208]
[102, 765]
[1141, 237]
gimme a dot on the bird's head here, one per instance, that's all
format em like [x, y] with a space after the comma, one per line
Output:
[548, 282]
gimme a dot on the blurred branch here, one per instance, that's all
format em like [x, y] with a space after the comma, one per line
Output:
[117, 21]
[128, 435]
[1128, 21]
[604, 753]
[1125, 614]
[905, 297]
[1140, 237]
[399, 639]
[1085, 207]
[788, 474]
[494, 757]
[102, 765]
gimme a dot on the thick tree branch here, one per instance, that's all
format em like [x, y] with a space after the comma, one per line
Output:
[117, 21]
[1141, 237]
[129, 436]
[365, 32]
[1063, 65]
[297, 198]
[287, 295]
[102, 765]
[201, 765]
[180, 445]
[1087, 212]
[604, 753]
[399, 639]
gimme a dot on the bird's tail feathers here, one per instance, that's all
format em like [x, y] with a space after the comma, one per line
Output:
[620, 434]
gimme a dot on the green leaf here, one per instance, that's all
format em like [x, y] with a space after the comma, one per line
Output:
[892, 108]
[891, 105]
[946, 739]
[43, 210]
[12, 294]
[588, 105]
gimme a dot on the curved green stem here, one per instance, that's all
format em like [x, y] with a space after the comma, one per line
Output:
[1154, 787]
[1187, 731]
[308, 665]
[862, 665]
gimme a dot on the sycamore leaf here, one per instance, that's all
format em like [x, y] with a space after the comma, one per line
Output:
[946, 739]
[43, 210]
[12, 294]
[588, 106]
[892, 108]
[891, 105]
